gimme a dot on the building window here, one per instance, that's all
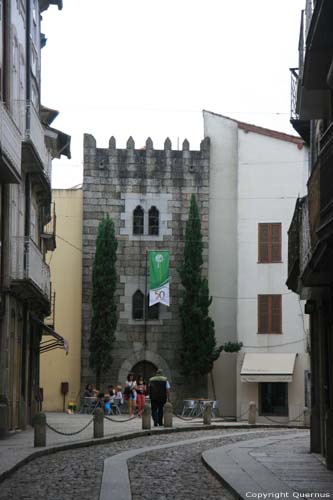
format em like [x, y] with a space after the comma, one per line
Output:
[153, 221]
[152, 312]
[141, 309]
[269, 314]
[137, 305]
[138, 217]
[273, 399]
[269, 242]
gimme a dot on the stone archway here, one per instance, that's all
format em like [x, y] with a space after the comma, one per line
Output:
[144, 368]
[143, 356]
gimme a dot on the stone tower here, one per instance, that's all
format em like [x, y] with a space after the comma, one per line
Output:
[147, 194]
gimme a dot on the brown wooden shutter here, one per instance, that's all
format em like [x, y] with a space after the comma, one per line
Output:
[269, 242]
[276, 315]
[269, 314]
[263, 241]
[263, 313]
[276, 242]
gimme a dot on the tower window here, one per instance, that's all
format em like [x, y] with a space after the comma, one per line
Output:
[153, 221]
[138, 224]
[137, 305]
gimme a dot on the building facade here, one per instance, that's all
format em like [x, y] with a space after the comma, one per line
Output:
[310, 271]
[58, 371]
[255, 176]
[147, 194]
[27, 146]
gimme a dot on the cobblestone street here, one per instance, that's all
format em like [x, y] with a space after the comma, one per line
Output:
[177, 472]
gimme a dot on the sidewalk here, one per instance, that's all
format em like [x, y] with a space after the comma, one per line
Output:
[272, 467]
[19, 446]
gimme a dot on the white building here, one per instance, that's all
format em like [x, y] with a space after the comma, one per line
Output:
[255, 178]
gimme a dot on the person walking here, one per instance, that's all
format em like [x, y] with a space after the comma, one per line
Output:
[159, 390]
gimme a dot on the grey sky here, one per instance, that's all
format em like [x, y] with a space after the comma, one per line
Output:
[148, 68]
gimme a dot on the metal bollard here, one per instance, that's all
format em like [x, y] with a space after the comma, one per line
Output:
[207, 416]
[146, 415]
[167, 414]
[306, 417]
[98, 423]
[252, 413]
[39, 423]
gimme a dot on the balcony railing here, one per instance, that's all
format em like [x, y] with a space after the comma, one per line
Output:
[10, 138]
[305, 238]
[27, 263]
[35, 134]
[294, 93]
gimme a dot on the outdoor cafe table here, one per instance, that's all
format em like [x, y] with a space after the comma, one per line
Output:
[195, 407]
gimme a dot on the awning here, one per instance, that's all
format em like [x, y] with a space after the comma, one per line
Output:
[268, 367]
[55, 342]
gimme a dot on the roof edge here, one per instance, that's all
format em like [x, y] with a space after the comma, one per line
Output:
[248, 127]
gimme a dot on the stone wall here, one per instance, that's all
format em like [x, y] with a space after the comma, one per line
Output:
[115, 182]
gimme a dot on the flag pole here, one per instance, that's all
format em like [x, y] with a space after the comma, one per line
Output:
[145, 313]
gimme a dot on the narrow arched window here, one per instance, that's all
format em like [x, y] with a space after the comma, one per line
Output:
[153, 221]
[152, 312]
[138, 220]
[137, 305]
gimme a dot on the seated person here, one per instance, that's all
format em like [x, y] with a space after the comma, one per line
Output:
[111, 392]
[107, 405]
[89, 391]
[119, 394]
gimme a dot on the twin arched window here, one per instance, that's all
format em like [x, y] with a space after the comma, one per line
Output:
[153, 221]
[141, 309]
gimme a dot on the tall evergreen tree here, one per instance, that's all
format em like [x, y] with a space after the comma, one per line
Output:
[104, 310]
[199, 349]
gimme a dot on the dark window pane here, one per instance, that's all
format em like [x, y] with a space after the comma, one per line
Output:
[138, 220]
[153, 221]
[137, 305]
[273, 398]
[152, 312]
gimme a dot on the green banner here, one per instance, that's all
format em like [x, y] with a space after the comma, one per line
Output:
[158, 277]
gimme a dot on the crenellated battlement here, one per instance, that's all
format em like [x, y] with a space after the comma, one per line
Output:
[148, 150]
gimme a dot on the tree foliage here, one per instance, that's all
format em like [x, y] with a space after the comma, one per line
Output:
[104, 310]
[199, 350]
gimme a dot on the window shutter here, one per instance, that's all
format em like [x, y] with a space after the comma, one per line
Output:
[269, 242]
[276, 314]
[276, 242]
[263, 313]
[263, 243]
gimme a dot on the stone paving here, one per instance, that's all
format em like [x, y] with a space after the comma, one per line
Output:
[175, 472]
[76, 474]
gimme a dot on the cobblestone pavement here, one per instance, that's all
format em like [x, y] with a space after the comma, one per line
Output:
[76, 474]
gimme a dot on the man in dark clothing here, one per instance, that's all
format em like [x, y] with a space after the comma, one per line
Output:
[159, 388]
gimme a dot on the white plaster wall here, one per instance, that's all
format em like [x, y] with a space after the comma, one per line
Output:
[223, 224]
[271, 175]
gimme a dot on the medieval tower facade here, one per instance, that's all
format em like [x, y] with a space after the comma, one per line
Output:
[147, 194]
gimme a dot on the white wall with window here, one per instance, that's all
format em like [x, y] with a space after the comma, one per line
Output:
[256, 177]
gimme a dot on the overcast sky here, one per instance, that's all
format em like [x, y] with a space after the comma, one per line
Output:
[149, 68]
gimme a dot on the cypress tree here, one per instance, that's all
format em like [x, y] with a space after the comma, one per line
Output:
[104, 309]
[199, 349]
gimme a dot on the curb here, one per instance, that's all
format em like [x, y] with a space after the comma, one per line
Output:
[132, 435]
